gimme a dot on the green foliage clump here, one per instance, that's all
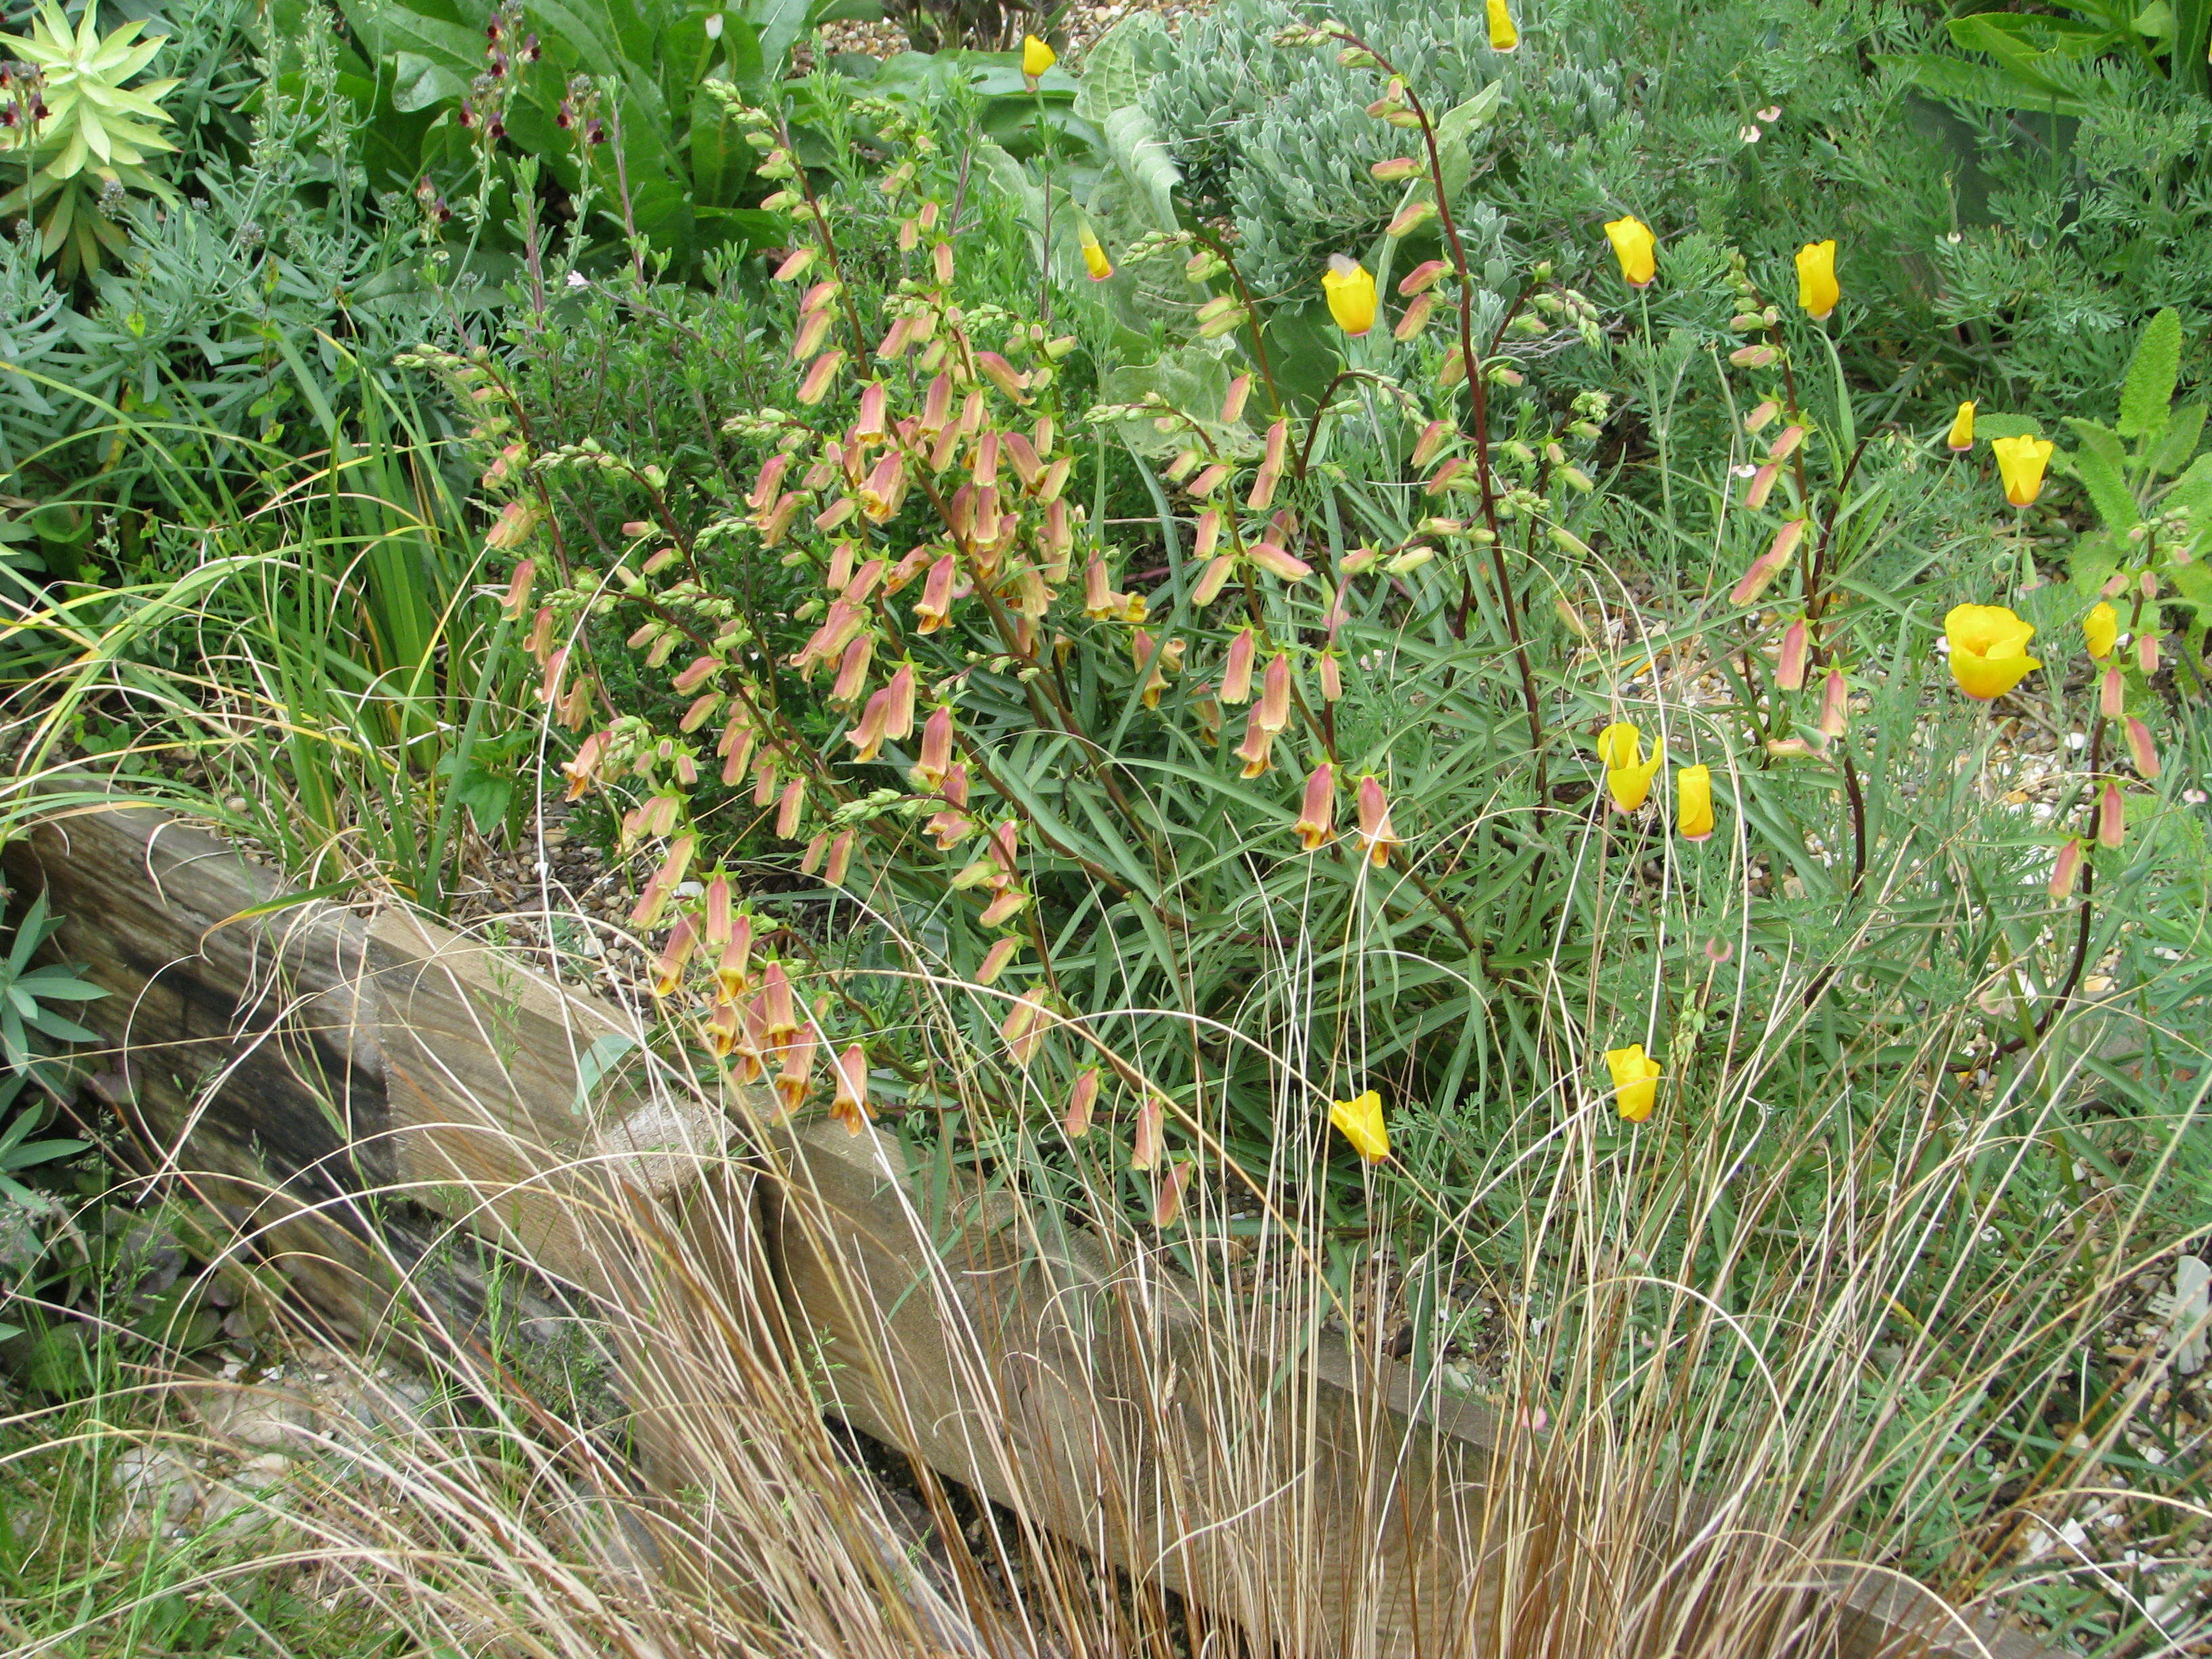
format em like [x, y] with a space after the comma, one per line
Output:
[1277, 138]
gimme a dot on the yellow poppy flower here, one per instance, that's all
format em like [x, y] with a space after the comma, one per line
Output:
[1351, 293]
[2020, 462]
[2100, 629]
[1633, 245]
[1037, 57]
[1635, 1081]
[1627, 775]
[1816, 279]
[1693, 802]
[1359, 1120]
[1989, 649]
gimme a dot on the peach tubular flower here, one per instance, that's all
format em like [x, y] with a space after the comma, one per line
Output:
[1272, 711]
[1351, 292]
[1167, 1208]
[668, 968]
[1817, 289]
[1359, 1120]
[1144, 1145]
[2142, 750]
[2067, 870]
[1082, 1101]
[1694, 803]
[1961, 437]
[849, 1104]
[1989, 649]
[1635, 1081]
[1257, 750]
[1318, 815]
[2020, 462]
[1375, 831]
[1635, 246]
[2100, 629]
[1237, 667]
[1790, 666]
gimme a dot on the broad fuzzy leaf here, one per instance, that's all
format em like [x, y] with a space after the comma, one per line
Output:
[2148, 395]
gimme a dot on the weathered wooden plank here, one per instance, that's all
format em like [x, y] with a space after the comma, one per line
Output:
[309, 1065]
[333, 1080]
[1032, 1369]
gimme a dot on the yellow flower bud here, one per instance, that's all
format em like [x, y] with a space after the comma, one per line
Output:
[1816, 279]
[1635, 1081]
[1962, 429]
[1989, 649]
[1694, 803]
[1351, 293]
[1633, 244]
[2020, 462]
[1504, 37]
[1036, 57]
[1359, 1120]
[2100, 629]
[1094, 256]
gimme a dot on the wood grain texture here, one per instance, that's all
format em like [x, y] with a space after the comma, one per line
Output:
[336, 1080]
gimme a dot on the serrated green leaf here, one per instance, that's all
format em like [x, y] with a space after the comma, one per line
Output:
[2101, 466]
[2147, 400]
[2178, 443]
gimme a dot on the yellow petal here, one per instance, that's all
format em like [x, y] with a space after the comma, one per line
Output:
[1693, 802]
[1962, 429]
[1633, 245]
[1359, 1120]
[2100, 629]
[1635, 1081]
[1816, 279]
[1351, 293]
[1620, 745]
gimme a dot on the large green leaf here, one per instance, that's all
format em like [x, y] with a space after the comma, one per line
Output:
[1135, 148]
[419, 82]
[1118, 63]
[1962, 81]
[2147, 400]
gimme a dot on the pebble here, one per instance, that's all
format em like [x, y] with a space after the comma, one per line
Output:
[265, 1418]
[158, 1489]
[236, 1505]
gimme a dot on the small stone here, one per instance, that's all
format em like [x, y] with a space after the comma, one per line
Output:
[261, 1418]
[159, 1488]
[231, 1507]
